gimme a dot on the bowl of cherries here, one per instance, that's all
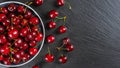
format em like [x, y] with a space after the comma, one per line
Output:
[22, 34]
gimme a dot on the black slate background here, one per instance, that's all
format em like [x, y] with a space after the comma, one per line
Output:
[94, 29]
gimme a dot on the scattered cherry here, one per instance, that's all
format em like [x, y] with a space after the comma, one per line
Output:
[50, 39]
[51, 24]
[62, 29]
[66, 40]
[60, 2]
[53, 14]
[38, 2]
[49, 57]
[69, 47]
[62, 59]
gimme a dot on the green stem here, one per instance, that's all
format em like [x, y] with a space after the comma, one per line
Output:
[49, 50]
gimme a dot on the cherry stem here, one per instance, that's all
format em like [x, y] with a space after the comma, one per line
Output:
[49, 50]
[69, 5]
[28, 3]
[61, 18]
[60, 48]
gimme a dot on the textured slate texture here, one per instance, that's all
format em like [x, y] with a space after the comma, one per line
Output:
[94, 29]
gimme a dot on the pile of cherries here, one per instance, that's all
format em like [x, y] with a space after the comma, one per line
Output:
[19, 34]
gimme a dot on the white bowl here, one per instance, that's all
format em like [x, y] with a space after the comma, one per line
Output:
[41, 26]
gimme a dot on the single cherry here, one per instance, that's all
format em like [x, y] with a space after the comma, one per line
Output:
[3, 39]
[62, 59]
[33, 51]
[15, 20]
[21, 9]
[24, 31]
[60, 2]
[28, 14]
[6, 22]
[6, 61]
[50, 39]
[38, 2]
[33, 43]
[62, 29]
[51, 24]
[66, 40]
[3, 10]
[39, 37]
[13, 34]
[12, 7]
[1, 57]
[53, 14]
[35, 66]
[5, 50]
[24, 46]
[25, 57]
[49, 57]
[34, 21]
[2, 29]
[69, 47]
[18, 42]
[2, 17]
[15, 60]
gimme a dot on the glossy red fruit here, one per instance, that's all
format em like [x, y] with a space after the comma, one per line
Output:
[50, 39]
[2, 17]
[33, 51]
[34, 21]
[35, 66]
[35, 28]
[28, 14]
[5, 50]
[12, 7]
[24, 46]
[1, 57]
[3, 39]
[66, 40]
[53, 14]
[30, 36]
[21, 9]
[15, 60]
[62, 29]
[63, 59]
[17, 55]
[15, 50]
[6, 22]
[49, 57]
[25, 57]
[2, 29]
[39, 37]
[24, 31]
[6, 61]
[3, 10]
[13, 34]
[33, 43]
[38, 2]
[11, 15]
[51, 24]
[18, 42]
[69, 47]
[15, 20]
[24, 22]
[60, 2]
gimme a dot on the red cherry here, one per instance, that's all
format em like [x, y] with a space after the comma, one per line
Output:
[30, 36]
[11, 15]
[25, 57]
[6, 22]
[35, 66]
[35, 28]
[15, 20]
[60, 2]
[63, 59]
[33, 51]
[62, 29]
[32, 43]
[3, 39]
[24, 31]
[18, 42]
[1, 57]
[24, 22]
[53, 14]
[2, 29]
[21, 9]
[17, 55]
[15, 60]
[6, 61]
[50, 39]
[38, 2]
[34, 21]
[69, 47]
[66, 40]
[15, 50]
[51, 24]
[49, 58]
[4, 10]
[28, 14]
[2, 17]
[24, 46]
[5, 50]
[39, 37]
[12, 7]
[13, 34]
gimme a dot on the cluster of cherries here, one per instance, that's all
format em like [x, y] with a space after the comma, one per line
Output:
[19, 34]
[66, 44]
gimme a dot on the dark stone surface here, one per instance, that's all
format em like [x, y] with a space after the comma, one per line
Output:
[94, 29]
